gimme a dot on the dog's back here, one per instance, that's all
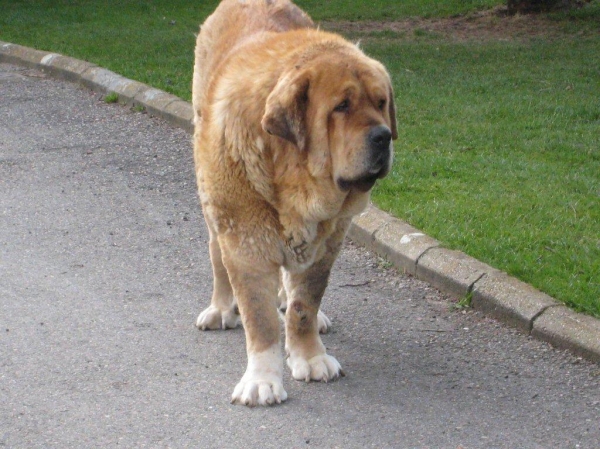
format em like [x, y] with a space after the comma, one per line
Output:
[218, 37]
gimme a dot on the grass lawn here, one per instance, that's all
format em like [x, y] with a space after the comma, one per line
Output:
[499, 149]
[499, 156]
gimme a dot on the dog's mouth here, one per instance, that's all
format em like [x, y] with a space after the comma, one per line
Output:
[363, 184]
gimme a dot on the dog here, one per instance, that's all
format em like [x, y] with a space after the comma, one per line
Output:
[293, 127]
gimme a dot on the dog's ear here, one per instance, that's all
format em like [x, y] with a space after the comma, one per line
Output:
[392, 113]
[285, 110]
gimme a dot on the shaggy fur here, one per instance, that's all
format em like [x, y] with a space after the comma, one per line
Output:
[293, 128]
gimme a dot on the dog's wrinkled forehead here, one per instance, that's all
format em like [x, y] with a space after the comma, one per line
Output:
[350, 77]
[329, 82]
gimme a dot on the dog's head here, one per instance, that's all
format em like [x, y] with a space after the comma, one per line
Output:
[337, 105]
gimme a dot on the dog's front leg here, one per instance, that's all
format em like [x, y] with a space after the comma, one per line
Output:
[256, 292]
[307, 356]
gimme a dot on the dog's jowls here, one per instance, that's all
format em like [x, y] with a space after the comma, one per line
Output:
[293, 128]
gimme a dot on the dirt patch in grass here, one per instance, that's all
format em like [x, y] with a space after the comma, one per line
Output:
[493, 24]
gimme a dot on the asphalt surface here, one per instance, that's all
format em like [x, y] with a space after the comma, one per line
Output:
[104, 267]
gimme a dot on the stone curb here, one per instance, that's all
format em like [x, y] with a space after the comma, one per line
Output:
[567, 329]
[489, 290]
[133, 93]
[457, 274]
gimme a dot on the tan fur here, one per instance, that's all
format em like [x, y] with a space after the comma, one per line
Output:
[280, 170]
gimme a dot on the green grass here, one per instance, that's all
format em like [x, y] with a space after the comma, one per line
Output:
[152, 41]
[391, 9]
[499, 156]
[499, 149]
[111, 98]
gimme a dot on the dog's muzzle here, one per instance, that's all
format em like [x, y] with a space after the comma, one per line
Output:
[379, 152]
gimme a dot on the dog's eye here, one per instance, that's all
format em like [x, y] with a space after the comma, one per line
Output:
[344, 106]
[381, 104]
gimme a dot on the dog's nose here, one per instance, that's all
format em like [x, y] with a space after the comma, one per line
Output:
[380, 137]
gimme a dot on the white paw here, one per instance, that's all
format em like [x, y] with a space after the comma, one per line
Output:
[212, 318]
[262, 383]
[323, 323]
[322, 368]
[259, 390]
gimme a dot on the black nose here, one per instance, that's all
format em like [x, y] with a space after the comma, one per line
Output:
[380, 137]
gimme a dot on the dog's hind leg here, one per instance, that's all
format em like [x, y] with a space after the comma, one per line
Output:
[222, 312]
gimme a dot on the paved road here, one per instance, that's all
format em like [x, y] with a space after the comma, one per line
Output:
[104, 267]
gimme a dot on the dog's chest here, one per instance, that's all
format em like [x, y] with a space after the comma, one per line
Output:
[307, 244]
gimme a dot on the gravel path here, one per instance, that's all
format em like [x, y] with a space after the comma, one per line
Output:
[104, 267]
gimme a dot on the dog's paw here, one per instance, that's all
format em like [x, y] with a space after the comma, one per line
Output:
[262, 383]
[323, 323]
[259, 390]
[322, 368]
[212, 318]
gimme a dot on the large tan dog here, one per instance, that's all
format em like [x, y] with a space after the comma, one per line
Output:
[293, 128]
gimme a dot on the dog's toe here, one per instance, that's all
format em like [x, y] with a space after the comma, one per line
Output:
[323, 323]
[321, 368]
[212, 318]
[252, 392]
